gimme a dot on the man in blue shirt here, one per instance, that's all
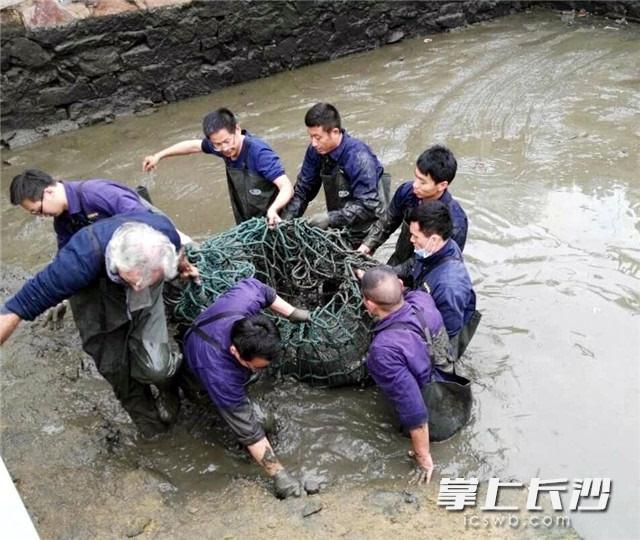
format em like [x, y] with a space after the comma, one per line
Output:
[113, 271]
[355, 185]
[258, 185]
[438, 267]
[435, 170]
[227, 343]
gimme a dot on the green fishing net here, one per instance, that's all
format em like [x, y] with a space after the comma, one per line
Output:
[308, 267]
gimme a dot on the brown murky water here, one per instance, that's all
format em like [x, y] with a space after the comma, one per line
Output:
[543, 115]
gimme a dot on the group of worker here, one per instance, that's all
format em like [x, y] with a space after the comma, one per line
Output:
[117, 252]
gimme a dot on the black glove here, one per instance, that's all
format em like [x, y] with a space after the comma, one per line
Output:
[299, 315]
[53, 318]
[320, 220]
[285, 485]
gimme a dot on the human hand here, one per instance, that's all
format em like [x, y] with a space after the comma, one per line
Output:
[272, 218]
[285, 485]
[149, 163]
[299, 315]
[53, 318]
[423, 470]
[359, 272]
[187, 271]
[320, 220]
[364, 249]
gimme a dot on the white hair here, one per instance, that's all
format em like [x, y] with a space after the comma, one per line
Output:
[138, 246]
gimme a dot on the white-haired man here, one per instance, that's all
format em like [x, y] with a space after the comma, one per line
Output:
[113, 272]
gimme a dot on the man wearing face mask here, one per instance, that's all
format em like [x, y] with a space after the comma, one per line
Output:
[438, 267]
[113, 272]
[226, 344]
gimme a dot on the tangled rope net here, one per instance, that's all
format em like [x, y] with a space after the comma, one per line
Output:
[309, 268]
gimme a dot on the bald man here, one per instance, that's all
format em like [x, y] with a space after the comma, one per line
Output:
[409, 340]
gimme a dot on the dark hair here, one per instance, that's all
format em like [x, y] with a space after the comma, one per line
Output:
[217, 120]
[433, 217]
[324, 115]
[256, 335]
[29, 185]
[380, 285]
[439, 163]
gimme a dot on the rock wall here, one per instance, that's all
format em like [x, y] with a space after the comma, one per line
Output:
[63, 77]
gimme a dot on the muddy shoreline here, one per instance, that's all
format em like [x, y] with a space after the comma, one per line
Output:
[82, 472]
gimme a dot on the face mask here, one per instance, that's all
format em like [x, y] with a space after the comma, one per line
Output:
[422, 253]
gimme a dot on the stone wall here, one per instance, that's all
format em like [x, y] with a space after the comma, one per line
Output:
[61, 78]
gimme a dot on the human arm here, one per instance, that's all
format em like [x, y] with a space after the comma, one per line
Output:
[75, 267]
[282, 307]
[9, 321]
[183, 148]
[362, 170]
[285, 192]
[422, 453]
[383, 228]
[307, 186]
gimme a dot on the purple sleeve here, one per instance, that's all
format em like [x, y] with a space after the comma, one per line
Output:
[389, 370]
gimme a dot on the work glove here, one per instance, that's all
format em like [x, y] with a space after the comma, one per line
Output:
[320, 220]
[285, 485]
[299, 315]
[53, 318]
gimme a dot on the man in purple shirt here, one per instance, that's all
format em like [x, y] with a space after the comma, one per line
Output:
[72, 205]
[399, 359]
[227, 343]
[258, 185]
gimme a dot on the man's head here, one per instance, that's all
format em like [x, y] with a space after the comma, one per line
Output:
[324, 127]
[141, 255]
[381, 291]
[255, 342]
[221, 128]
[435, 169]
[38, 193]
[430, 227]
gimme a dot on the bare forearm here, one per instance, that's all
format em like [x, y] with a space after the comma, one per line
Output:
[282, 307]
[420, 443]
[285, 192]
[264, 455]
[8, 323]
[183, 148]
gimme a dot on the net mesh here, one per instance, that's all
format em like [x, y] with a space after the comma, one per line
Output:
[311, 269]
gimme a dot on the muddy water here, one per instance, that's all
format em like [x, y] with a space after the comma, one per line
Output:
[543, 115]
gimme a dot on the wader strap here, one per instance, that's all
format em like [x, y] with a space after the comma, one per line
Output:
[197, 328]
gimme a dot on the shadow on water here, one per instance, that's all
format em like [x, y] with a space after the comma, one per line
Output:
[542, 115]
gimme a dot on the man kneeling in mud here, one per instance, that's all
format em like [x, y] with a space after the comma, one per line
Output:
[226, 345]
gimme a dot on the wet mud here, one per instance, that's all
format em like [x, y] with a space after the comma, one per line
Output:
[548, 176]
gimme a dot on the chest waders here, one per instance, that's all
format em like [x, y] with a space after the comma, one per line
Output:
[337, 192]
[448, 395]
[404, 247]
[251, 194]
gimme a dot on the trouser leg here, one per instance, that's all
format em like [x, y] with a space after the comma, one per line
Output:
[100, 314]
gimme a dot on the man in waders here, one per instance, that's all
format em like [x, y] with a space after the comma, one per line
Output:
[409, 344]
[438, 267]
[224, 347]
[435, 170]
[113, 272]
[355, 185]
[258, 185]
